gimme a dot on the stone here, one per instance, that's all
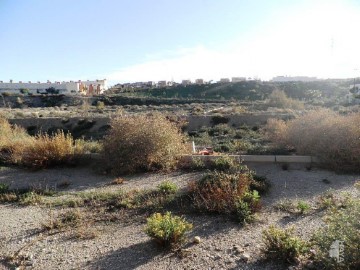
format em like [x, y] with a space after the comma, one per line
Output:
[229, 261]
[245, 257]
[238, 250]
[197, 239]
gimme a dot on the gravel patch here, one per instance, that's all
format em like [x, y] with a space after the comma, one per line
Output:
[224, 244]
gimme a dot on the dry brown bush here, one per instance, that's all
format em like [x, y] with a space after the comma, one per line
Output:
[13, 140]
[46, 151]
[142, 143]
[279, 99]
[323, 133]
[219, 191]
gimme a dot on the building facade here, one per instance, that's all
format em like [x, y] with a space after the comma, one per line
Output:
[89, 88]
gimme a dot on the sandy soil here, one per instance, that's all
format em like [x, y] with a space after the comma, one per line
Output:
[124, 245]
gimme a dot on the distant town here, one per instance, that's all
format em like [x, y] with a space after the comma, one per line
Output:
[97, 87]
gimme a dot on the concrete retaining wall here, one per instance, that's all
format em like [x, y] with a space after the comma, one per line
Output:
[261, 158]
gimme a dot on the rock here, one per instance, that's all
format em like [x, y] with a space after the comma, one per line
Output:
[245, 257]
[217, 249]
[217, 257]
[229, 261]
[238, 250]
[197, 239]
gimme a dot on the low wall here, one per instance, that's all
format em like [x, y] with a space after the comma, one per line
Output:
[260, 158]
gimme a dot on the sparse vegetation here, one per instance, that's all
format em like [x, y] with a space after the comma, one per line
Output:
[283, 244]
[167, 187]
[223, 163]
[342, 226]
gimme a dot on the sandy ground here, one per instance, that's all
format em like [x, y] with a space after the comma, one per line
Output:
[124, 245]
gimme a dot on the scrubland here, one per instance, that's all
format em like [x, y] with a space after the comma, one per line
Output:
[129, 201]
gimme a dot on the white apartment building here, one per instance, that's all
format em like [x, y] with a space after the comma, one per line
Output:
[67, 88]
[293, 79]
[186, 82]
[224, 80]
[238, 79]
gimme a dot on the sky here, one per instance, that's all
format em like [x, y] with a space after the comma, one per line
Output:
[143, 40]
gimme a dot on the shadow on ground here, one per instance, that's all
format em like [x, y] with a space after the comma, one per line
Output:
[127, 258]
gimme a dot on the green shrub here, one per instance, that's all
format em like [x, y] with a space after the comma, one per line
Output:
[247, 206]
[221, 130]
[303, 207]
[260, 183]
[4, 188]
[197, 163]
[282, 244]
[223, 163]
[167, 230]
[342, 224]
[167, 187]
[293, 206]
[142, 143]
[30, 198]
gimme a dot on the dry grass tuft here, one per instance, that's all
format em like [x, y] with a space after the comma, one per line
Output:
[46, 151]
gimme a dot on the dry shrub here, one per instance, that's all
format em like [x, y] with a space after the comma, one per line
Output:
[13, 139]
[46, 151]
[323, 133]
[142, 143]
[219, 191]
[279, 99]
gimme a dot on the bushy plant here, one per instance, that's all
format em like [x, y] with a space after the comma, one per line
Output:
[13, 140]
[342, 225]
[167, 229]
[259, 183]
[247, 206]
[279, 99]
[46, 151]
[223, 163]
[142, 143]
[303, 207]
[167, 187]
[331, 137]
[283, 244]
[197, 163]
[219, 191]
[4, 188]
